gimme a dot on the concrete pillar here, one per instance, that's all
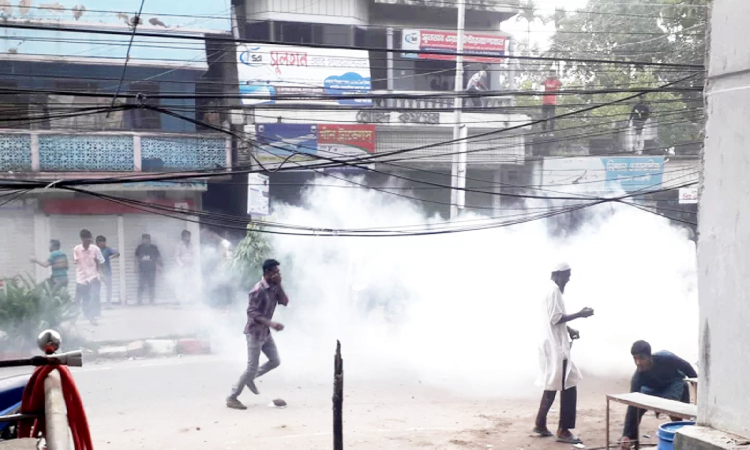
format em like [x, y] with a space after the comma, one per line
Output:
[137, 157]
[124, 259]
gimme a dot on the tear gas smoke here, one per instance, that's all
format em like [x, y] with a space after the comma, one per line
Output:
[463, 310]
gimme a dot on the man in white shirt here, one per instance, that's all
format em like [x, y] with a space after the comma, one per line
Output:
[558, 371]
[186, 263]
[88, 259]
[478, 84]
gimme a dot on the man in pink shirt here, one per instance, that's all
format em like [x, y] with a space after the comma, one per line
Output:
[88, 259]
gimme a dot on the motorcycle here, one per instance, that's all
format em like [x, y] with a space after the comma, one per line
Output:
[12, 388]
[11, 393]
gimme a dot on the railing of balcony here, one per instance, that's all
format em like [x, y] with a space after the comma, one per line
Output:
[48, 151]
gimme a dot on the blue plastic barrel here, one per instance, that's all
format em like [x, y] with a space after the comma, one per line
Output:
[666, 434]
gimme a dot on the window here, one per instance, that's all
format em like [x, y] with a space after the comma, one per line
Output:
[258, 30]
[79, 107]
[13, 105]
[298, 33]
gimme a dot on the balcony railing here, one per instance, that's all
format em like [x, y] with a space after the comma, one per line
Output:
[494, 104]
[55, 151]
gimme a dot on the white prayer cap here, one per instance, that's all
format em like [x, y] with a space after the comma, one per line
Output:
[561, 267]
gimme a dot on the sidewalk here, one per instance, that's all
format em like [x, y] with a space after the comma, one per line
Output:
[156, 330]
[127, 323]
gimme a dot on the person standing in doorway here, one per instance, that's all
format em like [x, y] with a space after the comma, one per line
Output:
[147, 258]
[549, 100]
[58, 262]
[88, 259]
[478, 84]
[558, 371]
[264, 297]
[185, 261]
[109, 254]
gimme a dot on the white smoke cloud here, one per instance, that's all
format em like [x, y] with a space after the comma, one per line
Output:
[468, 314]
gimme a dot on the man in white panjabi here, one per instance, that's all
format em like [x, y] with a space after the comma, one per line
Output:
[559, 373]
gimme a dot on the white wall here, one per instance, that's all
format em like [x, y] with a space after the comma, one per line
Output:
[724, 226]
[351, 12]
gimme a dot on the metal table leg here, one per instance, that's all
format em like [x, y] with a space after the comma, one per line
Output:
[606, 447]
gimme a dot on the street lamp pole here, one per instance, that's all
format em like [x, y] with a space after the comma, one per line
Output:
[458, 168]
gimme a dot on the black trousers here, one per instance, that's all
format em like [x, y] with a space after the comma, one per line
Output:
[147, 281]
[88, 296]
[568, 401]
[548, 113]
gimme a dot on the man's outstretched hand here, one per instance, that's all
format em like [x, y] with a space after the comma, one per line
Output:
[277, 326]
[586, 312]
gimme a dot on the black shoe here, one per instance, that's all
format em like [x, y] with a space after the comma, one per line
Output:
[235, 404]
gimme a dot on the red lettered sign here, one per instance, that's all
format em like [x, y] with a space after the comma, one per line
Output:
[346, 140]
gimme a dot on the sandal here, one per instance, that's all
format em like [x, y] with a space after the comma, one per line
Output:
[571, 439]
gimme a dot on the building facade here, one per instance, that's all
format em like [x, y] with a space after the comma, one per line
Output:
[61, 117]
[723, 268]
[364, 101]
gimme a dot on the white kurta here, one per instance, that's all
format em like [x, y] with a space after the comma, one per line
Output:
[555, 347]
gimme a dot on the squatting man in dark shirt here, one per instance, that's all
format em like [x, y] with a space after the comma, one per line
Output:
[661, 374]
[264, 297]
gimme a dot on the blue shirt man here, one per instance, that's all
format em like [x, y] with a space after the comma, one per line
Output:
[58, 262]
[109, 254]
[661, 374]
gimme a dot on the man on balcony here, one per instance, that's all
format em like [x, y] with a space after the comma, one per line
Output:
[549, 100]
[476, 85]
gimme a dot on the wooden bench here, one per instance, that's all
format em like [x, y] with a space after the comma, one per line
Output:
[672, 408]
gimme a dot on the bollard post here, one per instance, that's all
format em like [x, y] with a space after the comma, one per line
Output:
[338, 399]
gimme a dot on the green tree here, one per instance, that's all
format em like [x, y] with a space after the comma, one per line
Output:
[653, 31]
[530, 14]
[27, 308]
[247, 259]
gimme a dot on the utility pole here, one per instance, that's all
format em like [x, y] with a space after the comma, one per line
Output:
[458, 168]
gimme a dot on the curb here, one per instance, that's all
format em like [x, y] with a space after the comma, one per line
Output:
[154, 347]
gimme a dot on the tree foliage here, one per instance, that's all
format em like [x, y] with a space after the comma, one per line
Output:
[248, 256]
[27, 308]
[651, 31]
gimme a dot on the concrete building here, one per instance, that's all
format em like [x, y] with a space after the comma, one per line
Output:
[723, 265]
[392, 119]
[47, 73]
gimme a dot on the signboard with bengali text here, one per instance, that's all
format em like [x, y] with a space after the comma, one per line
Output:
[328, 141]
[487, 47]
[272, 73]
[603, 175]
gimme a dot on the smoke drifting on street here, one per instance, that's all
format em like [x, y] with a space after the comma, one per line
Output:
[464, 308]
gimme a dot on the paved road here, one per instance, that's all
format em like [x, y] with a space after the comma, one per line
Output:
[177, 403]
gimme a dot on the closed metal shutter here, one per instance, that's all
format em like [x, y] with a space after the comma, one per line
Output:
[67, 229]
[165, 234]
[17, 243]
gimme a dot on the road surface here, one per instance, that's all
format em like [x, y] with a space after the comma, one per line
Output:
[178, 403]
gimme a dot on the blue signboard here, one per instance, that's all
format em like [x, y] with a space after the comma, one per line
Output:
[634, 173]
[284, 139]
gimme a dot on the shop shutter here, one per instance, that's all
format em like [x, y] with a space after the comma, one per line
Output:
[17, 243]
[165, 233]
